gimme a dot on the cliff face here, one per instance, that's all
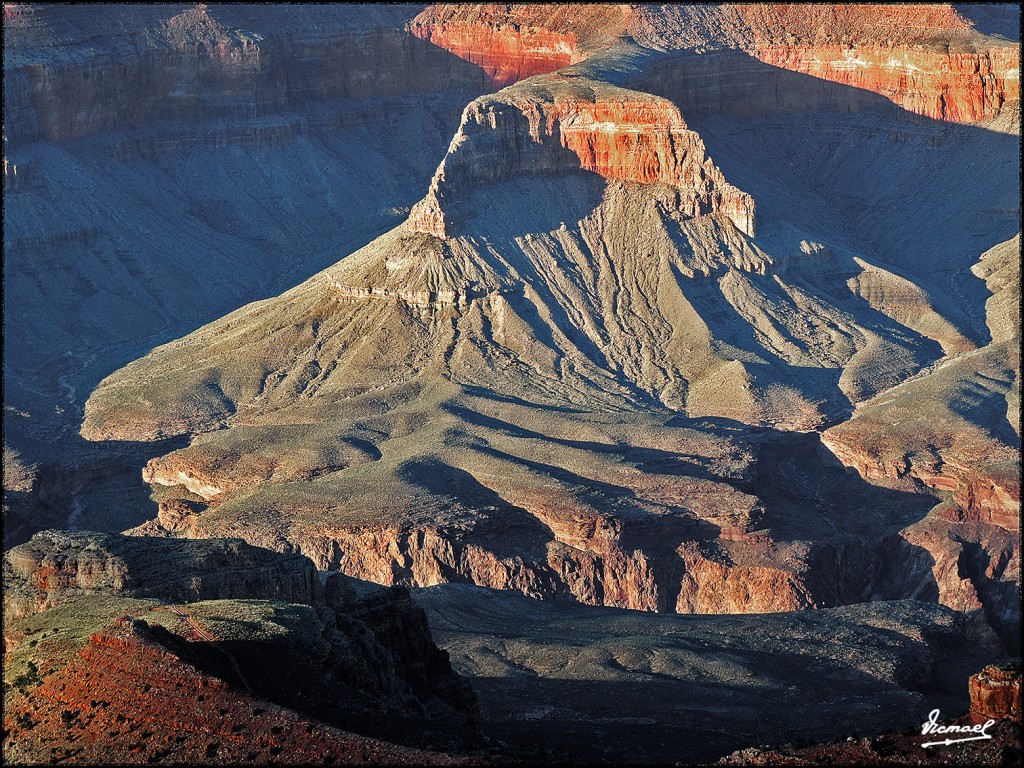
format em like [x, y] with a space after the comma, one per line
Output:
[926, 59]
[553, 127]
[995, 694]
[961, 87]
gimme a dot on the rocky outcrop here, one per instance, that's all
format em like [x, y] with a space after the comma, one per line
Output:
[345, 653]
[136, 693]
[989, 493]
[554, 128]
[57, 566]
[399, 625]
[995, 694]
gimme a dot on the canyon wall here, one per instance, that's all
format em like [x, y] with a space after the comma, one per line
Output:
[192, 65]
[926, 59]
[958, 86]
[57, 566]
[506, 55]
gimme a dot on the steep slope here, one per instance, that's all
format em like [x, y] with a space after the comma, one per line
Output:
[955, 426]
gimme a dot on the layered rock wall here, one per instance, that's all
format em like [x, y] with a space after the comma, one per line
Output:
[926, 59]
[995, 694]
[624, 135]
[960, 87]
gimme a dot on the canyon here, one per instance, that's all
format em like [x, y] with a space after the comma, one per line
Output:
[698, 309]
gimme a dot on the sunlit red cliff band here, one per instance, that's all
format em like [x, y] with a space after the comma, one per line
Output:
[869, 47]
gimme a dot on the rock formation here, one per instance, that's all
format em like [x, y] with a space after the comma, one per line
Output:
[57, 566]
[554, 127]
[995, 694]
[342, 654]
[558, 358]
[131, 695]
[487, 334]
[925, 58]
[111, 186]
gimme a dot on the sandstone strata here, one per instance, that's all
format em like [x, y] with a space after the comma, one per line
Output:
[961, 87]
[505, 55]
[926, 59]
[551, 128]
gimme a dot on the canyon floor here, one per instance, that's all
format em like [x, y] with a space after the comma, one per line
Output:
[669, 354]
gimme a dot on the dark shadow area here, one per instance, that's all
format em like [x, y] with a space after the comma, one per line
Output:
[89, 486]
[1001, 19]
[281, 671]
[807, 493]
[534, 199]
[925, 196]
[981, 400]
[506, 530]
[487, 394]
[1000, 598]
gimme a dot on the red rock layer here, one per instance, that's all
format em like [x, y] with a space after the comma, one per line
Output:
[126, 699]
[507, 53]
[925, 58]
[995, 694]
[624, 135]
[959, 87]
